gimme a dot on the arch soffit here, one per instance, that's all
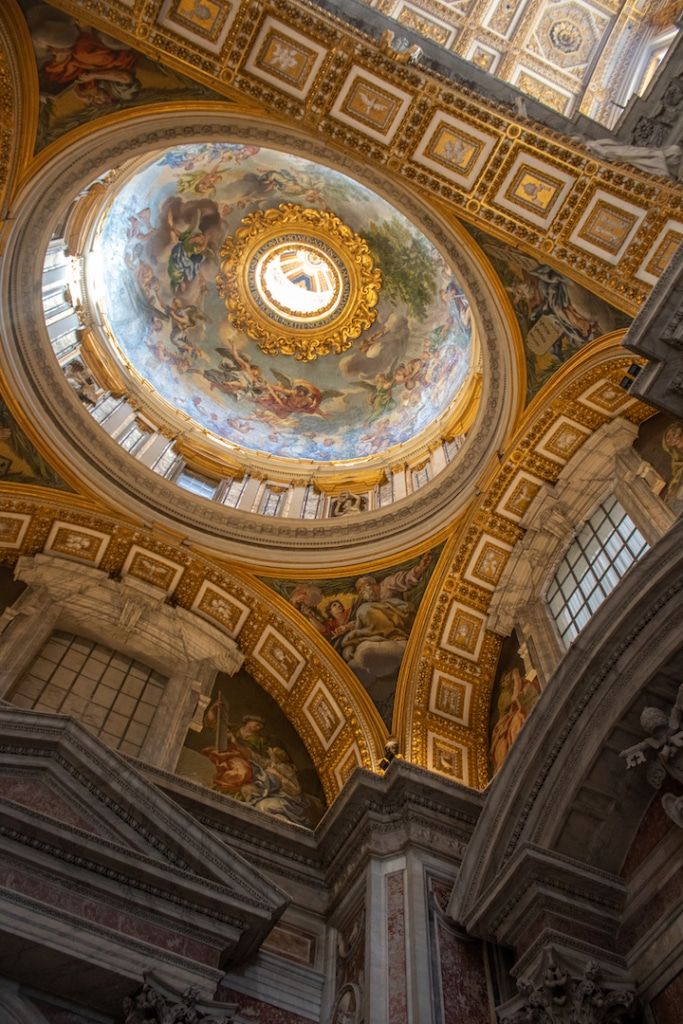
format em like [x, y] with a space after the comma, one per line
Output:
[324, 701]
[19, 104]
[75, 161]
[444, 688]
[631, 636]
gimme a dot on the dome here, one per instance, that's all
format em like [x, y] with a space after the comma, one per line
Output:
[282, 306]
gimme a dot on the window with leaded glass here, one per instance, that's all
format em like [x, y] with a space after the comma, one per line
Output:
[603, 550]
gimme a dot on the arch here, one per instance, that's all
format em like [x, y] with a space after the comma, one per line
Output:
[588, 708]
[323, 700]
[19, 90]
[446, 678]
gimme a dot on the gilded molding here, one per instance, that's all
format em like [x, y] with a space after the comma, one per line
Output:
[402, 130]
[262, 611]
[429, 654]
[18, 101]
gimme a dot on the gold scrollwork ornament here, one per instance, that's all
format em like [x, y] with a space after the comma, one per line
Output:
[298, 281]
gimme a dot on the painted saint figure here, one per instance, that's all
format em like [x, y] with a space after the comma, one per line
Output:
[251, 767]
[518, 694]
[100, 68]
[375, 638]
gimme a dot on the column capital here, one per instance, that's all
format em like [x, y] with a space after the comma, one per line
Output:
[563, 990]
[158, 1003]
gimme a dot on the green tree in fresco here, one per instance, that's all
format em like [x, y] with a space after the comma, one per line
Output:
[406, 263]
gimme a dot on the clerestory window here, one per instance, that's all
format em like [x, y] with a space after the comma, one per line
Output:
[113, 695]
[604, 549]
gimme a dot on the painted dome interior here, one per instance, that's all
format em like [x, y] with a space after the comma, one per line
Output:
[153, 271]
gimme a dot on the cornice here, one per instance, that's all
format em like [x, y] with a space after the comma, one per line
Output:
[168, 857]
[373, 815]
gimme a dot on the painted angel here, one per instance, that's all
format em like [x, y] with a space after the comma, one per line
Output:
[292, 396]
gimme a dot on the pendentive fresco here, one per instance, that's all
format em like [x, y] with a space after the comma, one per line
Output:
[245, 748]
[367, 618]
[84, 73]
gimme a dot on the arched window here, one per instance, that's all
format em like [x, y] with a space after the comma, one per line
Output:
[196, 484]
[603, 550]
[105, 407]
[385, 491]
[421, 476]
[234, 491]
[166, 461]
[271, 501]
[311, 503]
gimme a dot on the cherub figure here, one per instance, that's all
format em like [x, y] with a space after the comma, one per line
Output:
[184, 318]
[295, 396]
[391, 753]
[665, 739]
[236, 376]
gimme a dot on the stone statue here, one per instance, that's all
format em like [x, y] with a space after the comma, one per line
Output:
[662, 752]
[664, 162]
[402, 51]
[347, 504]
[82, 382]
[390, 753]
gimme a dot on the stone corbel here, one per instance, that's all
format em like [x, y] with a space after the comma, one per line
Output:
[197, 723]
[218, 650]
[649, 474]
[136, 600]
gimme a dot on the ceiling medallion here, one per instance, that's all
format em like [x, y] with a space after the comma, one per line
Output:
[298, 281]
[566, 36]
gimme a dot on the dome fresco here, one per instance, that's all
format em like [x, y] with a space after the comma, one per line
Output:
[154, 268]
